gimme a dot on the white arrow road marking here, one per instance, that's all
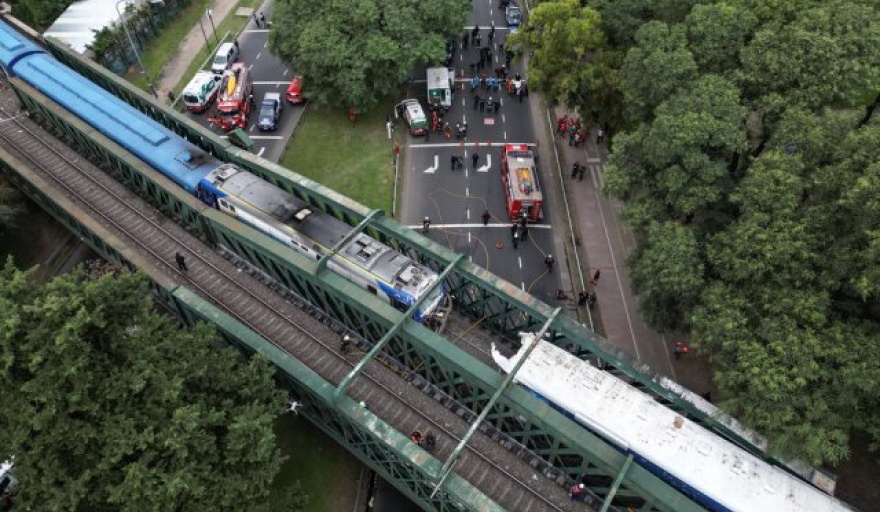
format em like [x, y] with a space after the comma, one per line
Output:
[486, 167]
[432, 170]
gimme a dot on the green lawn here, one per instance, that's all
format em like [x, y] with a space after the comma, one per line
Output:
[160, 50]
[328, 474]
[353, 160]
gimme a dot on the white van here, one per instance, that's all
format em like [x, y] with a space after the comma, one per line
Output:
[201, 91]
[227, 54]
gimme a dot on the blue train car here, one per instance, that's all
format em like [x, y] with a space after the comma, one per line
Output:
[162, 149]
[14, 47]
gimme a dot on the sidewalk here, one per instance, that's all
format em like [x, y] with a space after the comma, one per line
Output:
[605, 245]
[188, 50]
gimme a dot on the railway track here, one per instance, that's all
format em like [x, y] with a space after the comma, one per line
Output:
[504, 477]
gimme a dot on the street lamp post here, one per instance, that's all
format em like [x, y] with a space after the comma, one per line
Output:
[205, 34]
[134, 48]
[209, 13]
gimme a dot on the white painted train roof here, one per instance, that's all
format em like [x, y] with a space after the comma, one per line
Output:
[633, 420]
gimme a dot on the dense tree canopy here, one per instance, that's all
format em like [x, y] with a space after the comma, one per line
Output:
[750, 172]
[353, 53]
[109, 406]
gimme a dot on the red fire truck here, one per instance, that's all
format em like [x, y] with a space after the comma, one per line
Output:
[519, 178]
[235, 99]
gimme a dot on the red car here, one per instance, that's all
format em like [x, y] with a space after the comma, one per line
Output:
[294, 91]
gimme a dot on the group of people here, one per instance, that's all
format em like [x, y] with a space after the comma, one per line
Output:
[519, 231]
[494, 105]
[260, 20]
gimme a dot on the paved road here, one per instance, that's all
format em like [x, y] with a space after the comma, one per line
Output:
[456, 200]
[269, 74]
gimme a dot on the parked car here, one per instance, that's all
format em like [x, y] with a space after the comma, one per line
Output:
[270, 112]
[201, 91]
[294, 91]
[227, 54]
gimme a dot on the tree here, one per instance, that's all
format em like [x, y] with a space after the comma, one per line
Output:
[353, 53]
[656, 67]
[109, 406]
[563, 37]
[717, 33]
[667, 273]
[826, 56]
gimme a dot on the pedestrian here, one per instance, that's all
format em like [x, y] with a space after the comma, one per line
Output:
[574, 169]
[513, 229]
[582, 298]
[427, 135]
[516, 240]
[263, 22]
[237, 48]
[600, 136]
[492, 31]
[464, 41]
[577, 492]
[482, 105]
[464, 128]
[678, 349]
[581, 171]
[256, 19]
[447, 130]
[479, 39]
[475, 158]
[591, 300]
[521, 92]
[457, 131]
[707, 396]
[549, 261]
[181, 261]
[475, 80]
[491, 102]
[171, 96]
[595, 278]
[426, 224]
[497, 106]
[473, 67]
[453, 162]
[524, 229]
[508, 56]
[571, 138]
[474, 32]
[486, 217]
[477, 101]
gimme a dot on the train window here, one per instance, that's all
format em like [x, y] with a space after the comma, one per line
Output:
[372, 289]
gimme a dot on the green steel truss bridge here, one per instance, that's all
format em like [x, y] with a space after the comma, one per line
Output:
[498, 446]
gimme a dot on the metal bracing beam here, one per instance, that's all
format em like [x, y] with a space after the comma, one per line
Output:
[322, 263]
[616, 485]
[447, 467]
[340, 390]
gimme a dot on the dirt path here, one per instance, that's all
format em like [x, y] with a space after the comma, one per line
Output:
[172, 72]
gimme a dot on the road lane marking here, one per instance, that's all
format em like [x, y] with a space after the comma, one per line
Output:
[258, 56]
[262, 150]
[467, 193]
[519, 258]
[266, 137]
[486, 167]
[466, 144]
[480, 225]
[432, 170]
[272, 82]
[468, 214]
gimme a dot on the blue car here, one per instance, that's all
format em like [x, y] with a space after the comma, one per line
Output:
[513, 15]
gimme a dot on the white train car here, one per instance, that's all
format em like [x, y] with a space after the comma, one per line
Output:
[713, 471]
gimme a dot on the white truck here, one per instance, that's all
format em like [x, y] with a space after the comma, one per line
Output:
[441, 84]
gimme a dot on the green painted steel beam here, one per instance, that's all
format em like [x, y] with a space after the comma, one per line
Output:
[453, 457]
[391, 332]
[322, 263]
[616, 485]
